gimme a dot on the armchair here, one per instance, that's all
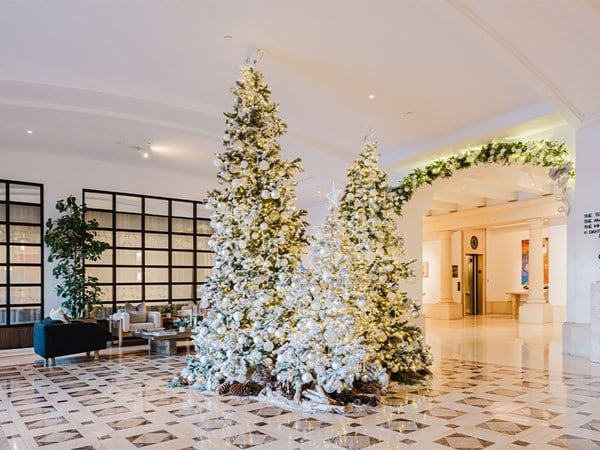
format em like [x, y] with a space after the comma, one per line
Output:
[122, 320]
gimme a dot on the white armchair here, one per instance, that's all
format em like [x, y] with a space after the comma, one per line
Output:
[122, 321]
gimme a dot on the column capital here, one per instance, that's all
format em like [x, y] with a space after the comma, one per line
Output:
[537, 223]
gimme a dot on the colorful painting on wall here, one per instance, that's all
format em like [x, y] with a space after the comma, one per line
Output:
[525, 261]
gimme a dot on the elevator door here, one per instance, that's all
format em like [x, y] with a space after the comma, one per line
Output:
[474, 284]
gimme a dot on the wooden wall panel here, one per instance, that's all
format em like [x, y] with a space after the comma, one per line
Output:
[16, 337]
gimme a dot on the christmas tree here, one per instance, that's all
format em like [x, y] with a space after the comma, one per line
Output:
[366, 207]
[259, 237]
[326, 352]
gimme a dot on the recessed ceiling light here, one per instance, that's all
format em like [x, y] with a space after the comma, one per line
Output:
[145, 154]
[227, 36]
[371, 96]
[29, 131]
[319, 192]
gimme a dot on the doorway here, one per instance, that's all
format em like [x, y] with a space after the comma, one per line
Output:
[473, 297]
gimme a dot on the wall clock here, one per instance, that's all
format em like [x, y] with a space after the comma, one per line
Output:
[474, 242]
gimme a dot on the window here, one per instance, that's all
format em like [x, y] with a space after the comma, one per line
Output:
[158, 248]
[21, 253]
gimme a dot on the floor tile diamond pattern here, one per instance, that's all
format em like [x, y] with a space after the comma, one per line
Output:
[123, 402]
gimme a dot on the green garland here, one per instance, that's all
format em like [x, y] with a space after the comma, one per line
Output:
[542, 153]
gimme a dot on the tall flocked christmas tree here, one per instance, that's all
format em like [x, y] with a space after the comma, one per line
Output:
[367, 209]
[326, 352]
[259, 237]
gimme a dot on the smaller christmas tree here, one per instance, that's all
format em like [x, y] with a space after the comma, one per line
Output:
[326, 351]
[366, 208]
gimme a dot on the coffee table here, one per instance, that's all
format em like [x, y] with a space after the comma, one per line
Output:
[164, 344]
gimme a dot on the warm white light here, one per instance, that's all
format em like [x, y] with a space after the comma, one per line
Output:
[29, 131]
[146, 154]
[371, 96]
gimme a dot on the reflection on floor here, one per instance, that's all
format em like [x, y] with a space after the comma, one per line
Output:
[496, 385]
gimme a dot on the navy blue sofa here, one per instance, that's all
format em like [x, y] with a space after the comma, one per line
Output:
[52, 338]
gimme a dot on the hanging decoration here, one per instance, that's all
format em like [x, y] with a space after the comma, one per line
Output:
[541, 153]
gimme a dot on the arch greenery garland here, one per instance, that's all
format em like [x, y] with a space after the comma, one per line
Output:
[549, 154]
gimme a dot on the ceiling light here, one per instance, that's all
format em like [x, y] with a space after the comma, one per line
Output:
[145, 154]
[227, 36]
[29, 131]
[371, 96]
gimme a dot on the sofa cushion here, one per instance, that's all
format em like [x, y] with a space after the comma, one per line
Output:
[59, 314]
[137, 314]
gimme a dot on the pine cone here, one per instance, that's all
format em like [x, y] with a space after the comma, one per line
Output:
[236, 389]
[262, 375]
[224, 388]
[252, 388]
[369, 387]
[286, 389]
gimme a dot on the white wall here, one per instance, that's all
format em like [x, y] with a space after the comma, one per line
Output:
[503, 261]
[62, 177]
[431, 284]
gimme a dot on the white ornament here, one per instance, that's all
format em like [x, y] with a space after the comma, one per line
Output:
[242, 340]
[279, 334]
[244, 164]
[268, 346]
[275, 195]
[264, 165]
[335, 365]
[237, 316]
[307, 377]
[216, 162]
[265, 195]
[361, 303]
[415, 314]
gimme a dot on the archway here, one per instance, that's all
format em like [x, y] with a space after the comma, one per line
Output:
[412, 202]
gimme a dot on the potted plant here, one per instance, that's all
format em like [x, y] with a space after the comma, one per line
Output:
[72, 240]
[167, 309]
[181, 323]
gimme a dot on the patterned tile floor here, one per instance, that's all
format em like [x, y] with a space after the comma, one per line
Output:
[121, 402]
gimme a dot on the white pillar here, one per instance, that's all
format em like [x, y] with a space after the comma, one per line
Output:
[583, 246]
[536, 309]
[446, 267]
[536, 261]
[445, 308]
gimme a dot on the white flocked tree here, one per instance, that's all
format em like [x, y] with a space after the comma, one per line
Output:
[366, 207]
[326, 353]
[258, 240]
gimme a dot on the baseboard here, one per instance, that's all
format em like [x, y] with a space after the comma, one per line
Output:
[576, 339]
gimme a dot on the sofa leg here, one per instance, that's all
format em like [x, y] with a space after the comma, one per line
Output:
[87, 355]
[52, 361]
[97, 355]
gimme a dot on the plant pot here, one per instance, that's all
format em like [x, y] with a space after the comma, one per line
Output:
[181, 329]
[168, 315]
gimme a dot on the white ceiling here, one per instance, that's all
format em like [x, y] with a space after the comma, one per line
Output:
[95, 79]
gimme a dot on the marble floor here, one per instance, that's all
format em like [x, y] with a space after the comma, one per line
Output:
[495, 385]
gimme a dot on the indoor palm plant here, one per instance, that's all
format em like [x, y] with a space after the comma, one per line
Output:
[72, 240]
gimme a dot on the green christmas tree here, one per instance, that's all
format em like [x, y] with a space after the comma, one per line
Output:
[259, 237]
[366, 208]
[326, 351]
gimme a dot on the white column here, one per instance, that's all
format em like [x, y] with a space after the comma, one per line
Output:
[445, 308]
[536, 309]
[446, 267]
[583, 247]
[536, 261]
